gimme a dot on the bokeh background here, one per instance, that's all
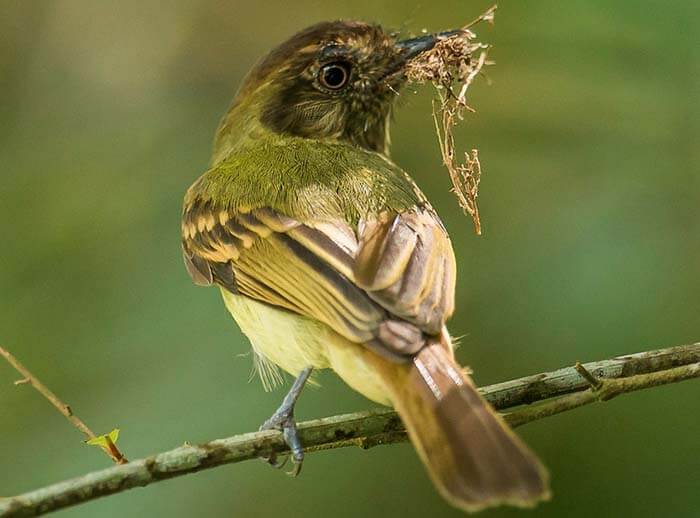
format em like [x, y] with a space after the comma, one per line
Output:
[589, 137]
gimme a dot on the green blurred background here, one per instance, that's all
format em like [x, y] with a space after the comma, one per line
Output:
[589, 141]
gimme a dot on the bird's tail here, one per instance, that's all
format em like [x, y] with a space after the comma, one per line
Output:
[473, 457]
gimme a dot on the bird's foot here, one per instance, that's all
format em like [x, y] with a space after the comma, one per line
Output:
[283, 420]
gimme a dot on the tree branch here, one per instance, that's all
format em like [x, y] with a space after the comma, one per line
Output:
[105, 442]
[544, 394]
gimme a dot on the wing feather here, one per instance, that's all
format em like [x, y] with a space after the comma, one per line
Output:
[419, 281]
[386, 284]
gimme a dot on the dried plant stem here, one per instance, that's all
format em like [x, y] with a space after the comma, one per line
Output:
[553, 392]
[486, 16]
[465, 177]
[63, 408]
[456, 59]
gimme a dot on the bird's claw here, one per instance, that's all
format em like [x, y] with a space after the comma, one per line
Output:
[287, 425]
[275, 461]
[283, 420]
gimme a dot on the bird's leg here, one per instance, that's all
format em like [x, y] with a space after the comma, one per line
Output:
[283, 420]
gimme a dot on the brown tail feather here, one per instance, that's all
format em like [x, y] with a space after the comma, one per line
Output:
[473, 457]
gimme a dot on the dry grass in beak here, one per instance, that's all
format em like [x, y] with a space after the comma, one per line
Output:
[451, 66]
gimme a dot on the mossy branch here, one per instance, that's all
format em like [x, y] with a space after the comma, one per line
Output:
[526, 399]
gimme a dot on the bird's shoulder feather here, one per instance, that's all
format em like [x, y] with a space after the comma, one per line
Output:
[308, 179]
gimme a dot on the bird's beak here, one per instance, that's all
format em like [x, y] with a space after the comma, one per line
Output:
[409, 49]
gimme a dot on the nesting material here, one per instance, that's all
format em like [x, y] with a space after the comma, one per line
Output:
[451, 66]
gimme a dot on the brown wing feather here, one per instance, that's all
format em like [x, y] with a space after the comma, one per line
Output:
[387, 285]
[407, 265]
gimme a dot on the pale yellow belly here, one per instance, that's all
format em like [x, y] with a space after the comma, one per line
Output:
[293, 342]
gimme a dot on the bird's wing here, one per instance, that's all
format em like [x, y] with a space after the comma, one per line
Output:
[387, 285]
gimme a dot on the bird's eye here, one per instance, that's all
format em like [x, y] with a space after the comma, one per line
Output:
[334, 76]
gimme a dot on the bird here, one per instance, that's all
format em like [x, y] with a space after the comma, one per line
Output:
[329, 256]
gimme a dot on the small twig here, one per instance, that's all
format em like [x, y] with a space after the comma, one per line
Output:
[554, 392]
[595, 383]
[63, 408]
[46, 392]
[114, 452]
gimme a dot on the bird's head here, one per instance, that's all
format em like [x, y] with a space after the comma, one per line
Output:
[335, 80]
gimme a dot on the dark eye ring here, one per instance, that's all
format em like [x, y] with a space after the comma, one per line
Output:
[334, 76]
